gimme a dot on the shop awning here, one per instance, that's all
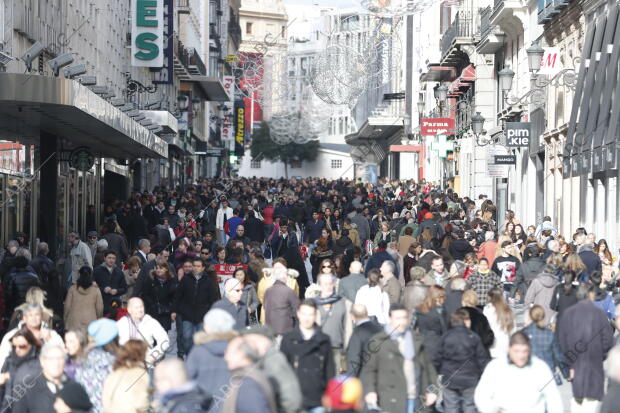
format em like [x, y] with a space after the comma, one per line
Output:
[30, 104]
[213, 88]
[164, 119]
[463, 82]
[437, 73]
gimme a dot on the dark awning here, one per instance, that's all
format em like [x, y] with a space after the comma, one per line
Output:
[213, 88]
[30, 104]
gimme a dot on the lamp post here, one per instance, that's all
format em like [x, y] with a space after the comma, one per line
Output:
[477, 126]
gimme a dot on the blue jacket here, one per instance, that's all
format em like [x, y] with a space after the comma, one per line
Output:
[546, 347]
[591, 261]
[377, 259]
[313, 230]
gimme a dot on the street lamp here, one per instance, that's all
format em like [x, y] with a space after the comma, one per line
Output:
[477, 124]
[421, 106]
[442, 94]
[505, 79]
[534, 57]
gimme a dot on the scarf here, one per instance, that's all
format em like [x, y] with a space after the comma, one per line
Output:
[326, 300]
[404, 340]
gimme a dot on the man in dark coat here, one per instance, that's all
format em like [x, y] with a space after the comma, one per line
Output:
[177, 394]
[314, 228]
[49, 277]
[358, 351]
[378, 257]
[194, 296]
[460, 246]
[116, 242]
[110, 280]
[591, 260]
[585, 338]
[343, 243]
[18, 282]
[460, 360]
[309, 352]
[254, 227]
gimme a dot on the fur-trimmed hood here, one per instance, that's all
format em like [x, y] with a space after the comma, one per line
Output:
[289, 271]
[202, 337]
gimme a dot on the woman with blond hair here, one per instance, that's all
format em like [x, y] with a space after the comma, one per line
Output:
[34, 295]
[575, 263]
[129, 373]
[429, 318]
[502, 322]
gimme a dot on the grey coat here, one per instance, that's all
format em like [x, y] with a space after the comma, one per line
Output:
[333, 322]
[239, 311]
[363, 227]
[284, 380]
[348, 286]
[280, 306]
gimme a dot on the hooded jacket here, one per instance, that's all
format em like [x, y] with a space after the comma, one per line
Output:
[205, 363]
[341, 245]
[541, 292]
[82, 306]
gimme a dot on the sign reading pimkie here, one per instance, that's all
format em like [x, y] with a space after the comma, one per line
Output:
[433, 126]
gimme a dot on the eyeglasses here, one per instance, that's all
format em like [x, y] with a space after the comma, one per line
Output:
[204, 252]
[326, 266]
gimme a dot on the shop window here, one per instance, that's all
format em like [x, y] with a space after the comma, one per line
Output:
[255, 165]
[248, 28]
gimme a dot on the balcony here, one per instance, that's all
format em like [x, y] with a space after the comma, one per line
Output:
[491, 37]
[182, 7]
[187, 61]
[463, 31]
[549, 8]
[503, 9]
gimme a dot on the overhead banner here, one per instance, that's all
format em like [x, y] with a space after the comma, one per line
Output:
[436, 126]
[518, 134]
[164, 75]
[239, 127]
[147, 33]
[228, 134]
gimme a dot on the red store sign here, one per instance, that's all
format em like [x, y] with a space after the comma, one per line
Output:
[433, 126]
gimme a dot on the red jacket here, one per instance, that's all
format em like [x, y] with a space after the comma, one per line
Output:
[268, 214]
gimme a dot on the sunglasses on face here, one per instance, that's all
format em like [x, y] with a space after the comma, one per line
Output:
[21, 346]
[327, 266]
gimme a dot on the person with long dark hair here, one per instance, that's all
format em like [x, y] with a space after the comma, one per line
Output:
[84, 303]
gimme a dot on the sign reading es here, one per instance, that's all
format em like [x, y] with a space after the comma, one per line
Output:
[147, 33]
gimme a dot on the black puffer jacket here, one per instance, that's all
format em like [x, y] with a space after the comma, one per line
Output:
[19, 281]
[480, 326]
[432, 326]
[460, 358]
[459, 248]
[312, 361]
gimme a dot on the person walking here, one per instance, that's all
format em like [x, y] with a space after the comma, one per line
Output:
[194, 296]
[483, 280]
[129, 373]
[332, 317]
[84, 303]
[537, 393]
[460, 360]
[232, 303]
[357, 351]
[110, 280]
[502, 321]
[585, 323]
[309, 352]
[280, 303]
[375, 301]
[540, 292]
[80, 256]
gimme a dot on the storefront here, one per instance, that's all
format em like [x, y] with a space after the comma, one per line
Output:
[70, 131]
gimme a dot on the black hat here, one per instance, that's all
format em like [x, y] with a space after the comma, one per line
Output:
[74, 396]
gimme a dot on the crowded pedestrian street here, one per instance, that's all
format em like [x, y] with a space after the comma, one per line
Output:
[309, 206]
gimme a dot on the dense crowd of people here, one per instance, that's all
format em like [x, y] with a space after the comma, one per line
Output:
[308, 295]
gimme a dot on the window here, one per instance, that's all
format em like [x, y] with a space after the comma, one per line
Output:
[255, 164]
[295, 164]
[248, 28]
[283, 32]
[336, 163]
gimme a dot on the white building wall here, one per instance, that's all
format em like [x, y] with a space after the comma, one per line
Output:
[321, 167]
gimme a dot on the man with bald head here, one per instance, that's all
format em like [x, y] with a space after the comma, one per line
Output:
[358, 351]
[232, 304]
[137, 325]
[349, 285]
[175, 391]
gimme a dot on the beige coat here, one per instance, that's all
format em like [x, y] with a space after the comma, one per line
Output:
[126, 391]
[82, 306]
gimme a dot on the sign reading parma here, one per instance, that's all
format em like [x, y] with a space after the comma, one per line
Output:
[435, 126]
[147, 33]
[518, 134]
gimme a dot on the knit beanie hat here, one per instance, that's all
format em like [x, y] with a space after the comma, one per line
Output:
[74, 396]
[218, 321]
[103, 331]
